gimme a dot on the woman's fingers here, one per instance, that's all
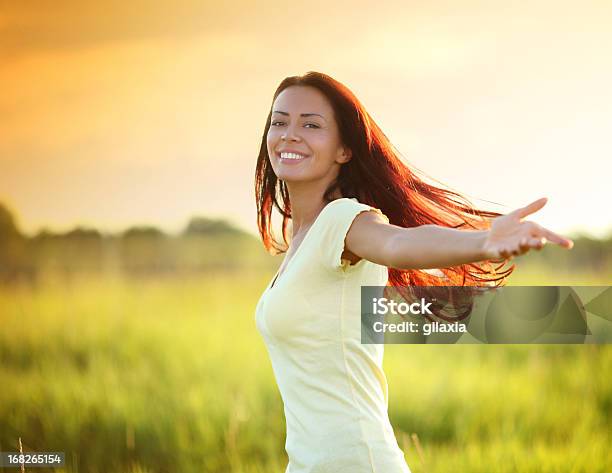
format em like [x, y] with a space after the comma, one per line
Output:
[533, 236]
[539, 232]
[543, 232]
[558, 239]
[524, 245]
[537, 243]
[531, 208]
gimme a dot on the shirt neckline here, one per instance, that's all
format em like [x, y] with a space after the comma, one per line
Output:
[276, 277]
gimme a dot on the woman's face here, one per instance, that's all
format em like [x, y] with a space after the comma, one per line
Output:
[303, 125]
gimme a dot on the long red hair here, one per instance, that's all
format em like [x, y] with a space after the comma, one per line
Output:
[376, 176]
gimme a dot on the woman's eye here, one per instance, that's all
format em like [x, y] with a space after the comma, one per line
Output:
[281, 123]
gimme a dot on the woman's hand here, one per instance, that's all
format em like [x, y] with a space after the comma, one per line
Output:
[509, 236]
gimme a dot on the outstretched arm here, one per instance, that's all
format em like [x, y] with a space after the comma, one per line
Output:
[434, 246]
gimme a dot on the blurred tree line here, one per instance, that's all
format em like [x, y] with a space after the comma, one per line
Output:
[204, 245]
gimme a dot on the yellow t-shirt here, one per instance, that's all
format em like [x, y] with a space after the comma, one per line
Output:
[333, 387]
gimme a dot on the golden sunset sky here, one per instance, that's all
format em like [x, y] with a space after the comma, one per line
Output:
[116, 113]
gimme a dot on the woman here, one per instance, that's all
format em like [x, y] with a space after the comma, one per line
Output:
[359, 216]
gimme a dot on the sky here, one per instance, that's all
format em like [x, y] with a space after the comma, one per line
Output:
[115, 113]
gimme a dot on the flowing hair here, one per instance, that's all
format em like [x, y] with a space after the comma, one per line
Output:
[376, 176]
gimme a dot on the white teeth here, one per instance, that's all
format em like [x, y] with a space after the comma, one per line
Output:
[291, 156]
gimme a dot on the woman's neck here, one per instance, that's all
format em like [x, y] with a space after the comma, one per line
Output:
[306, 204]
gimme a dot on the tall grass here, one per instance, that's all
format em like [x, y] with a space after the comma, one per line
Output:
[172, 376]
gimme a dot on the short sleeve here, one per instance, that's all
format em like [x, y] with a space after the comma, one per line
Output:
[337, 222]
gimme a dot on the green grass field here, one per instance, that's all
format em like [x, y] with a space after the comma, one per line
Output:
[170, 375]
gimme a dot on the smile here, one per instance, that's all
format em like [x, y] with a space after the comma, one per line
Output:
[291, 157]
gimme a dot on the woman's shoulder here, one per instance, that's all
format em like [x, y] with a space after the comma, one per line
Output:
[338, 217]
[349, 208]
[344, 203]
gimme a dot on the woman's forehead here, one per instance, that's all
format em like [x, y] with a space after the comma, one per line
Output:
[301, 99]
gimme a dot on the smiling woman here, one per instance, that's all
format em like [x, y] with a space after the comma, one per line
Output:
[360, 217]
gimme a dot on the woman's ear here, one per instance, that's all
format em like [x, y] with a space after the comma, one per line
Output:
[345, 155]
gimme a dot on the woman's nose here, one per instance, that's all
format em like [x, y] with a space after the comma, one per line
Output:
[290, 135]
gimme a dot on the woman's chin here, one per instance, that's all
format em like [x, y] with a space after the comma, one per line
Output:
[292, 177]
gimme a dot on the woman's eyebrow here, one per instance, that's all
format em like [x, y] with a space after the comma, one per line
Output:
[301, 114]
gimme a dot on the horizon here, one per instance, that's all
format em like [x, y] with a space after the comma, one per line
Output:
[177, 229]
